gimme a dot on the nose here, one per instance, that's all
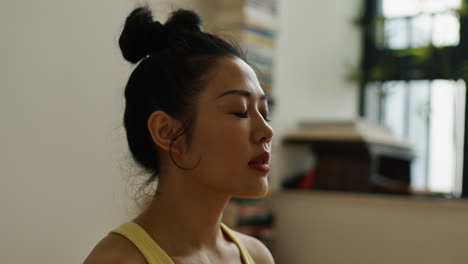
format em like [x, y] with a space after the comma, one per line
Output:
[263, 132]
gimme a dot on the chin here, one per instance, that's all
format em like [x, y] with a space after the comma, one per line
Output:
[253, 191]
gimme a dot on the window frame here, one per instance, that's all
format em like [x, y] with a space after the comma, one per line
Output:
[372, 56]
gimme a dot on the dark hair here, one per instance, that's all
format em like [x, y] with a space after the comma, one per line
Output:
[173, 60]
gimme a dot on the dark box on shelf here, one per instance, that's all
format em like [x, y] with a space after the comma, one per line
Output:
[356, 156]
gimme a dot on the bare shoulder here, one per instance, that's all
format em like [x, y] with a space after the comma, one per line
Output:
[115, 249]
[258, 251]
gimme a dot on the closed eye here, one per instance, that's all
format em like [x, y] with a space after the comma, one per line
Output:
[246, 115]
[242, 115]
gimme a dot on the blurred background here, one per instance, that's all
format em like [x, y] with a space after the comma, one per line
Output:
[368, 106]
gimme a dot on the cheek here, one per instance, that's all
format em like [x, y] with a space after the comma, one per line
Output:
[225, 151]
[222, 143]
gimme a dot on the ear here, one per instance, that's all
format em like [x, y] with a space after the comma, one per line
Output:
[163, 129]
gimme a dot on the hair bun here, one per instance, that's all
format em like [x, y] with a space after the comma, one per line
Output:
[141, 35]
[184, 20]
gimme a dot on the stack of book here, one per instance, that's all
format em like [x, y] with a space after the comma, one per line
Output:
[258, 38]
[252, 23]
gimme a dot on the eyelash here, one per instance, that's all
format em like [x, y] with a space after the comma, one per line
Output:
[245, 115]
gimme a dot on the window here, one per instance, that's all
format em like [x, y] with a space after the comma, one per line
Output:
[414, 84]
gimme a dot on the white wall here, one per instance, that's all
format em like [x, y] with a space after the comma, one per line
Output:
[317, 48]
[63, 159]
[330, 228]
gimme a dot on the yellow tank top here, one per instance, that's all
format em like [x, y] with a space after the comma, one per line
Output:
[155, 255]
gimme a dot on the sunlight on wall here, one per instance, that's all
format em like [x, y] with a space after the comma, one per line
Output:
[444, 135]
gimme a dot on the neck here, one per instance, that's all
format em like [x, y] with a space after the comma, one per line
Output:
[184, 216]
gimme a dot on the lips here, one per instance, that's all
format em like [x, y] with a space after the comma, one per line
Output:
[260, 162]
[262, 158]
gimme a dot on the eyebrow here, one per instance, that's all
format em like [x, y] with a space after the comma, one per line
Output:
[244, 93]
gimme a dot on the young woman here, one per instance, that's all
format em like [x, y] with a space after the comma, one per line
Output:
[197, 120]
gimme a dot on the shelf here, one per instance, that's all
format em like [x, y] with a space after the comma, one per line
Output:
[374, 198]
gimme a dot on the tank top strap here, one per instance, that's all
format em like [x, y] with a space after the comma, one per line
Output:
[246, 258]
[155, 255]
[138, 236]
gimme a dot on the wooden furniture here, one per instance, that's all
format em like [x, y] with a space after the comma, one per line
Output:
[356, 156]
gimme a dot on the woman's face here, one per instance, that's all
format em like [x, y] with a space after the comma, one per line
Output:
[230, 131]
